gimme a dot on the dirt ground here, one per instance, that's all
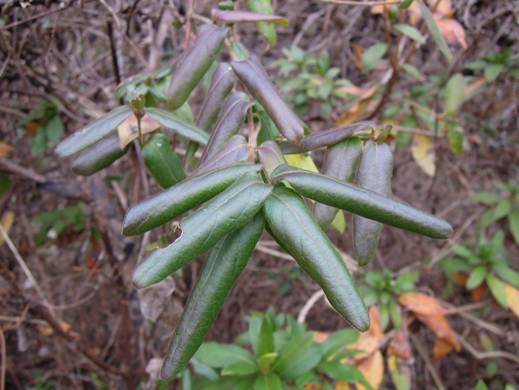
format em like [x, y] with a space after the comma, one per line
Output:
[84, 324]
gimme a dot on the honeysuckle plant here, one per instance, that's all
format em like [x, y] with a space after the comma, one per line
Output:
[240, 185]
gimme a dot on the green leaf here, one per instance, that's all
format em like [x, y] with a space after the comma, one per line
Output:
[195, 63]
[98, 156]
[513, 222]
[161, 161]
[411, 32]
[492, 71]
[497, 289]
[219, 355]
[433, 28]
[268, 382]
[507, 274]
[267, 29]
[225, 263]
[5, 184]
[94, 132]
[486, 197]
[54, 128]
[171, 121]
[202, 229]
[302, 362]
[39, 142]
[265, 361]
[413, 71]
[481, 385]
[476, 277]
[343, 372]
[455, 137]
[240, 368]
[406, 281]
[373, 55]
[337, 341]
[451, 265]
[454, 94]
[365, 203]
[314, 252]
[189, 193]
[383, 310]
[395, 314]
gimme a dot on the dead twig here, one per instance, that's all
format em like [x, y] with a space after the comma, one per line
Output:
[425, 356]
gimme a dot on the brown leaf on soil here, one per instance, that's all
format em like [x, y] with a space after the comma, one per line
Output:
[451, 30]
[369, 341]
[5, 149]
[400, 345]
[421, 304]
[478, 292]
[373, 370]
[441, 348]
[358, 108]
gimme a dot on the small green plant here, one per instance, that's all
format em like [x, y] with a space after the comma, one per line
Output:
[503, 204]
[495, 64]
[275, 353]
[486, 263]
[309, 79]
[383, 290]
[55, 222]
[45, 124]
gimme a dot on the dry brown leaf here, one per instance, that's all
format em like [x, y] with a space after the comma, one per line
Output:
[460, 278]
[441, 348]
[478, 292]
[357, 52]
[5, 149]
[363, 104]
[128, 130]
[6, 221]
[373, 370]
[512, 297]
[313, 386]
[421, 304]
[422, 150]
[441, 327]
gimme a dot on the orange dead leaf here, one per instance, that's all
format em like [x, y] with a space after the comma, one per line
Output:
[369, 341]
[128, 130]
[512, 297]
[358, 108]
[460, 278]
[373, 370]
[441, 348]
[478, 292]
[421, 304]
[5, 149]
[32, 128]
[444, 7]
[313, 386]
[357, 51]
[441, 327]
[46, 330]
[451, 30]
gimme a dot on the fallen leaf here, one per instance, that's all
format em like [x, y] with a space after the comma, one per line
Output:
[443, 7]
[422, 150]
[421, 304]
[320, 337]
[369, 341]
[460, 278]
[5, 149]
[512, 297]
[129, 130]
[478, 292]
[6, 222]
[452, 30]
[363, 104]
[441, 348]
[357, 52]
[342, 385]
[373, 370]
[441, 327]
[313, 386]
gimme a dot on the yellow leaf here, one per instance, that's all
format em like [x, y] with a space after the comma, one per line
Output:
[373, 370]
[301, 160]
[5, 149]
[339, 222]
[6, 221]
[342, 385]
[423, 153]
[129, 130]
[369, 341]
[512, 297]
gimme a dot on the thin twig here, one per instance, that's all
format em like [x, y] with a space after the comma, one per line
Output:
[364, 3]
[424, 355]
[301, 318]
[17, 169]
[486, 355]
[4, 359]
